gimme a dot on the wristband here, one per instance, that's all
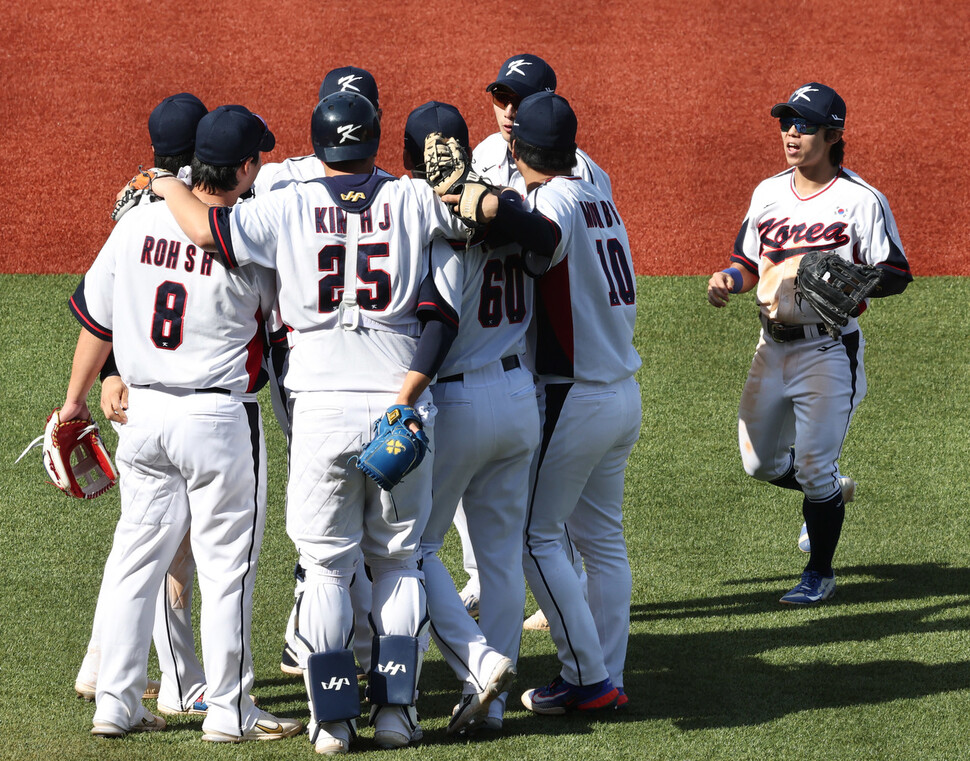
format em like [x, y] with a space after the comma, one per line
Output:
[737, 279]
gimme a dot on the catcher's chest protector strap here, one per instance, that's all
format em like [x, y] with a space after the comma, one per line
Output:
[349, 311]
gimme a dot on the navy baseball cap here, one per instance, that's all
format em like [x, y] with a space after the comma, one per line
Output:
[432, 117]
[228, 135]
[172, 124]
[350, 79]
[525, 75]
[545, 120]
[815, 103]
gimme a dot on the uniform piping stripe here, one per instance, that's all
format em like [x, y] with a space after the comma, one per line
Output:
[556, 394]
[851, 344]
[87, 322]
[252, 414]
[221, 241]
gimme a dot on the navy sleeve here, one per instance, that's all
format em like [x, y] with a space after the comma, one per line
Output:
[538, 235]
[433, 347]
[109, 368]
[219, 227]
[79, 309]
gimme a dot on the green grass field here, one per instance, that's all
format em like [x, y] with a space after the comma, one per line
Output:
[716, 669]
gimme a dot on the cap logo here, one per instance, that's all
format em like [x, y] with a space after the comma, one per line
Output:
[515, 67]
[801, 93]
[346, 132]
[347, 83]
[835, 118]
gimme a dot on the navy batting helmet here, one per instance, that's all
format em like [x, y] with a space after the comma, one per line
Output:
[344, 127]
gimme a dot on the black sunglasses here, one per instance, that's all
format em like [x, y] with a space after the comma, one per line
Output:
[503, 98]
[803, 127]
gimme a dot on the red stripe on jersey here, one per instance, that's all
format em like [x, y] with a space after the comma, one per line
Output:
[97, 330]
[221, 242]
[438, 310]
[556, 352]
[255, 350]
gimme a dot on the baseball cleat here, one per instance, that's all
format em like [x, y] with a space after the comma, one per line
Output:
[395, 726]
[471, 604]
[88, 690]
[267, 727]
[148, 723]
[622, 700]
[333, 738]
[848, 486]
[537, 622]
[559, 697]
[289, 663]
[198, 707]
[473, 708]
[811, 589]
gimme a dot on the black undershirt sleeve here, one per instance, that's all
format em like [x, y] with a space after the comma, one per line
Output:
[433, 345]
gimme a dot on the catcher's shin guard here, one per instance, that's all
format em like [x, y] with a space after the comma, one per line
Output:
[331, 683]
[394, 671]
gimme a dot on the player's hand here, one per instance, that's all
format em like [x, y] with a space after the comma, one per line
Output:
[160, 185]
[114, 399]
[719, 289]
[75, 411]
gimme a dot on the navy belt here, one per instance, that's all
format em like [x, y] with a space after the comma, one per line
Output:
[782, 333]
[508, 363]
[213, 390]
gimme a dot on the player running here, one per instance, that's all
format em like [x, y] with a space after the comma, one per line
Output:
[804, 386]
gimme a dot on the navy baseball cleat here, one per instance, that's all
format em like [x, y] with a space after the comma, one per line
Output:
[811, 589]
[559, 697]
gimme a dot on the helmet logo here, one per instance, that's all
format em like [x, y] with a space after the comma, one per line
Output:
[515, 67]
[353, 196]
[347, 83]
[801, 93]
[347, 132]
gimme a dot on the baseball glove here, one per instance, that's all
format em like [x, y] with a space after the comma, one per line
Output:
[138, 186]
[448, 171]
[834, 287]
[396, 450]
[75, 457]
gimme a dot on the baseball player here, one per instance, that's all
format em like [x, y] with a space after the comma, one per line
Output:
[369, 330]
[589, 404]
[804, 386]
[520, 76]
[189, 344]
[273, 177]
[486, 429]
[171, 125]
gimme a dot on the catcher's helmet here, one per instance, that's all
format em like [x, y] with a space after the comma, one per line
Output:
[344, 127]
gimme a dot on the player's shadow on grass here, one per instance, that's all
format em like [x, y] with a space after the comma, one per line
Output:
[739, 672]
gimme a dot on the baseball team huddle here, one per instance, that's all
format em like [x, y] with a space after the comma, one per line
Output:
[449, 347]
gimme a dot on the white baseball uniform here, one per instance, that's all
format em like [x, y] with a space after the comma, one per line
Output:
[492, 160]
[589, 403]
[355, 330]
[486, 431]
[802, 391]
[188, 339]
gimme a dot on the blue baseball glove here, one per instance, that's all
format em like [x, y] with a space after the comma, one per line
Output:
[395, 450]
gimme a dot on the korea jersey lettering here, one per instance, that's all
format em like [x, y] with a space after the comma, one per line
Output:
[176, 317]
[848, 216]
[301, 231]
[585, 333]
[492, 160]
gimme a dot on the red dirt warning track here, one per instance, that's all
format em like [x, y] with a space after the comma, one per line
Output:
[672, 98]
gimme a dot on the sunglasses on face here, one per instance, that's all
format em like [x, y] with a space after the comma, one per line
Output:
[803, 127]
[504, 99]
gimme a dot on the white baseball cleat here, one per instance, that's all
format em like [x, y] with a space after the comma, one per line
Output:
[149, 722]
[537, 622]
[87, 689]
[395, 726]
[267, 727]
[473, 708]
[333, 737]
[848, 487]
